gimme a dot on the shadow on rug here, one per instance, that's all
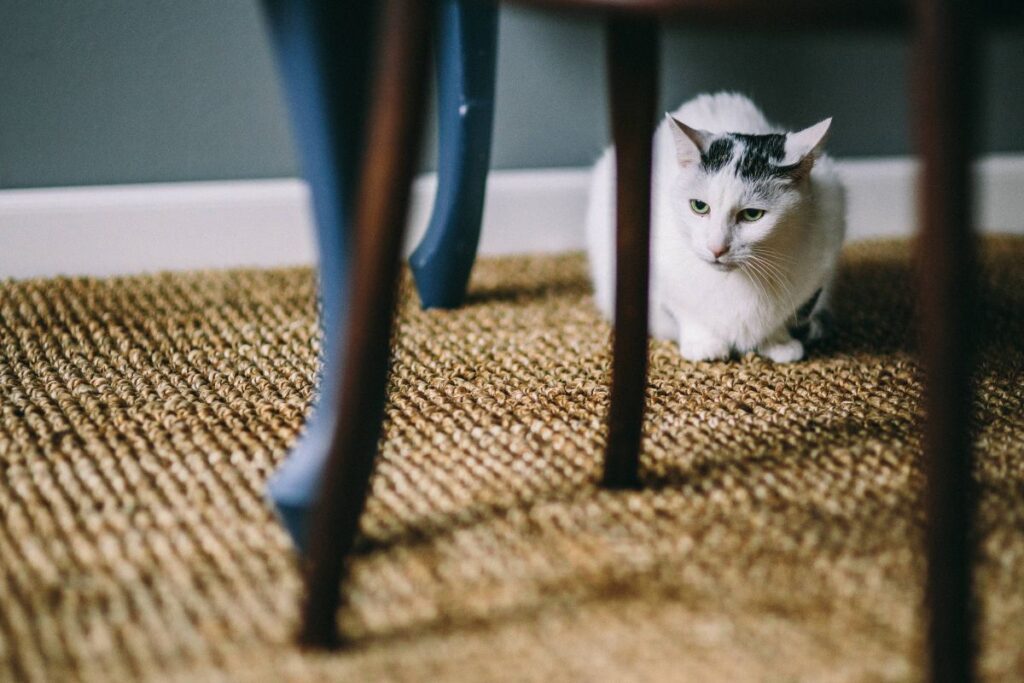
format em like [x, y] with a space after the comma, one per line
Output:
[778, 536]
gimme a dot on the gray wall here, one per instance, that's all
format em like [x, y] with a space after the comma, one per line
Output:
[130, 91]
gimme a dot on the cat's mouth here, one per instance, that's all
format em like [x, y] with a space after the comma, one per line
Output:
[723, 266]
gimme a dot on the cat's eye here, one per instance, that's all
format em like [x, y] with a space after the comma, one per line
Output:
[751, 215]
[698, 207]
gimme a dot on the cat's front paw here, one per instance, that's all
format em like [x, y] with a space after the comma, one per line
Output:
[702, 348]
[782, 352]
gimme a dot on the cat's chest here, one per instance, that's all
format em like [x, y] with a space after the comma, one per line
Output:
[714, 294]
[736, 306]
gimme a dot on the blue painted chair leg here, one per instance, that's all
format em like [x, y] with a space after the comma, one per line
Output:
[466, 69]
[323, 52]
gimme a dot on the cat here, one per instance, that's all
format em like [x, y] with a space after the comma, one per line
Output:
[747, 222]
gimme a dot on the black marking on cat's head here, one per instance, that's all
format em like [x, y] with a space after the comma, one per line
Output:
[717, 155]
[761, 156]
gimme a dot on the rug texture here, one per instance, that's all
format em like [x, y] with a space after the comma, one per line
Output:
[778, 536]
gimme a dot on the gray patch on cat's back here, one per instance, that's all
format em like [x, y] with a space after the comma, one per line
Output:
[717, 155]
[761, 155]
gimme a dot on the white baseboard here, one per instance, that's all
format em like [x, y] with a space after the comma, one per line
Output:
[141, 228]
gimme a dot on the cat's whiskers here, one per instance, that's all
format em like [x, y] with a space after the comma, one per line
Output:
[760, 280]
[777, 291]
[775, 277]
[772, 268]
[783, 278]
[785, 285]
[768, 252]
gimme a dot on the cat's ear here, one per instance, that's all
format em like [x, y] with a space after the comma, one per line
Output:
[804, 146]
[690, 142]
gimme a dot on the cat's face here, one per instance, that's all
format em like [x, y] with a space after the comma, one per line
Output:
[736, 194]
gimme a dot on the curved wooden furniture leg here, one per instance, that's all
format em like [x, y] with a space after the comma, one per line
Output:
[383, 196]
[323, 52]
[945, 57]
[465, 66]
[633, 77]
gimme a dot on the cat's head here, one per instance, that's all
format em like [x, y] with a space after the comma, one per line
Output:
[736, 194]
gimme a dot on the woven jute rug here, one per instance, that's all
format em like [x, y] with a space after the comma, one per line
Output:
[778, 536]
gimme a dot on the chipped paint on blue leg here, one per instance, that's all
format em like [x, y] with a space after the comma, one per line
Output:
[466, 70]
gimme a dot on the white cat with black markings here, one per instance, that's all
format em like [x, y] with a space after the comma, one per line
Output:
[747, 222]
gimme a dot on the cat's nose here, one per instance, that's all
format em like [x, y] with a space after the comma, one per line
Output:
[719, 251]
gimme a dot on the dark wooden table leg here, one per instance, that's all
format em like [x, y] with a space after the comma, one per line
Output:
[382, 202]
[633, 79]
[324, 51]
[945, 60]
